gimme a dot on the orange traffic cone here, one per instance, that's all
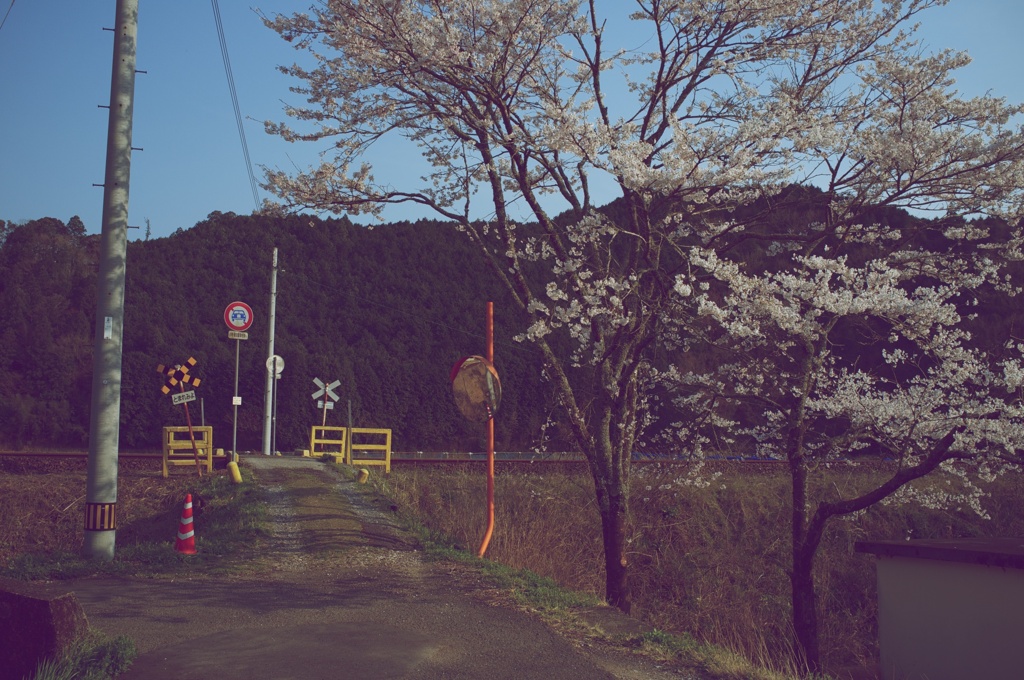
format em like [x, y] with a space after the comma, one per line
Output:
[186, 542]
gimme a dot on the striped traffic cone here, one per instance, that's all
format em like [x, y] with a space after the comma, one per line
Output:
[186, 542]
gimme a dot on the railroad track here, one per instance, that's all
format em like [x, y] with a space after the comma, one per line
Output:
[433, 458]
[75, 454]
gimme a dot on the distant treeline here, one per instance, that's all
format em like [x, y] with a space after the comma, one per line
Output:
[387, 311]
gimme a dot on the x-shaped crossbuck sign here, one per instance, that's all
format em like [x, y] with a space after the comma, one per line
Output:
[178, 374]
[326, 389]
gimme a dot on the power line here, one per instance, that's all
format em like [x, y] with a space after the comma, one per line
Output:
[7, 15]
[234, 102]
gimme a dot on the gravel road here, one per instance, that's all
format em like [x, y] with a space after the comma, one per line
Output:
[342, 593]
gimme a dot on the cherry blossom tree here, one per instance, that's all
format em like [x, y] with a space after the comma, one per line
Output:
[532, 113]
[842, 359]
[847, 334]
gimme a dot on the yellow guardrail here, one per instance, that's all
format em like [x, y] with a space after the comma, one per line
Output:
[334, 441]
[350, 446]
[178, 447]
[383, 447]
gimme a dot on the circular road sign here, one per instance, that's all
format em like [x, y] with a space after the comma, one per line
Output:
[275, 365]
[238, 316]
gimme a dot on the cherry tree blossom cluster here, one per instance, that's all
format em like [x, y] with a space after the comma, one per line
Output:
[629, 169]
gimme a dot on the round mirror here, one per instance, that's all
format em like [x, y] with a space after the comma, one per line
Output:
[275, 366]
[476, 387]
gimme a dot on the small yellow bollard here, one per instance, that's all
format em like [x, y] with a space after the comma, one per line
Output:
[236, 475]
[364, 475]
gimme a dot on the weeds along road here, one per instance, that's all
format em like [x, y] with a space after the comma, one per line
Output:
[343, 592]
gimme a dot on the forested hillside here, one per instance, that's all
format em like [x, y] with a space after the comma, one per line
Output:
[386, 311]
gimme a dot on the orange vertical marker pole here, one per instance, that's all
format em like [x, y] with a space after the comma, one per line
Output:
[490, 440]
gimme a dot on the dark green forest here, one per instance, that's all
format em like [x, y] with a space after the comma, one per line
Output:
[386, 311]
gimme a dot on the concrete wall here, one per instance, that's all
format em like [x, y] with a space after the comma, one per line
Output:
[943, 620]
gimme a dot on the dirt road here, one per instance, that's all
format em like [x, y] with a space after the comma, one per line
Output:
[343, 593]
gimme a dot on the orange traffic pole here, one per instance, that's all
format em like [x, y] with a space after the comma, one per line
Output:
[490, 439]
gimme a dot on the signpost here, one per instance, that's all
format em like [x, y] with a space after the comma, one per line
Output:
[178, 376]
[238, 317]
[328, 390]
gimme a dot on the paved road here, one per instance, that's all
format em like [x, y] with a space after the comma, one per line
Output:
[345, 595]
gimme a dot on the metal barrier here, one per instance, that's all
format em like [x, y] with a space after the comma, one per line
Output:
[384, 447]
[178, 450]
[349, 447]
[330, 436]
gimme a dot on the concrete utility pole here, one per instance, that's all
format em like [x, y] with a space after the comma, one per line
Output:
[105, 418]
[268, 412]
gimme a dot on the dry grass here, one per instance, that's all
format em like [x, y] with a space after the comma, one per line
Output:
[707, 561]
[43, 500]
[710, 561]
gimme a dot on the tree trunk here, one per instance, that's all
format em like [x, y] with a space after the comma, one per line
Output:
[613, 526]
[804, 599]
[609, 467]
[805, 609]
[605, 431]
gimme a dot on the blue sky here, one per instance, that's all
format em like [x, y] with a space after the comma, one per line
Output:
[55, 71]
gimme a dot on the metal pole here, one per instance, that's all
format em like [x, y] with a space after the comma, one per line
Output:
[347, 453]
[275, 403]
[234, 401]
[105, 419]
[490, 439]
[268, 399]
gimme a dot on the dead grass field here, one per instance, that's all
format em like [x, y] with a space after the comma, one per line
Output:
[43, 499]
[707, 560]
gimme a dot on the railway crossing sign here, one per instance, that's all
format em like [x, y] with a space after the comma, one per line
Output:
[238, 316]
[326, 389]
[178, 374]
[329, 396]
